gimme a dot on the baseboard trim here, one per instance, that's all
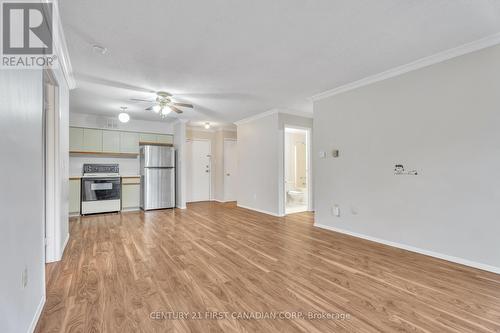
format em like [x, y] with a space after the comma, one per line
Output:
[260, 210]
[181, 207]
[61, 253]
[133, 209]
[38, 313]
[446, 257]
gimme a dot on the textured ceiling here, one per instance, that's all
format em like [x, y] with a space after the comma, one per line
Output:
[234, 59]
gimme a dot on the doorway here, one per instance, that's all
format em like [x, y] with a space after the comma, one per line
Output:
[230, 170]
[297, 178]
[199, 173]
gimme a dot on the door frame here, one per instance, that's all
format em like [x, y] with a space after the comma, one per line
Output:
[224, 163]
[190, 160]
[308, 131]
[51, 169]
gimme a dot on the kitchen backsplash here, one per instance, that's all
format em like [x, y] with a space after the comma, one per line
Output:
[128, 166]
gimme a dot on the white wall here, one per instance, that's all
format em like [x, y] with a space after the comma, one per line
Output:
[258, 164]
[261, 160]
[442, 120]
[128, 166]
[21, 198]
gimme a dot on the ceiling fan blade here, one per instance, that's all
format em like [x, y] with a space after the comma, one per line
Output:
[149, 109]
[141, 100]
[185, 105]
[175, 109]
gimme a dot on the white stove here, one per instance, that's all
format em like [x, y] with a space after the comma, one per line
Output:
[100, 189]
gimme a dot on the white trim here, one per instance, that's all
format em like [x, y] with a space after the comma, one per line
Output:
[477, 45]
[224, 129]
[446, 257]
[255, 117]
[271, 112]
[63, 247]
[200, 129]
[130, 209]
[259, 210]
[309, 176]
[181, 207]
[61, 48]
[74, 214]
[38, 312]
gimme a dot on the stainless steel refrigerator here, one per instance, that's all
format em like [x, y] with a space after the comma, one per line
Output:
[157, 177]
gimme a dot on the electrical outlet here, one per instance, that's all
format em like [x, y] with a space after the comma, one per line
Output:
[24, 277]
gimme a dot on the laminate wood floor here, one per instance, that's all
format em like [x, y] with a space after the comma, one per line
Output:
[218, 268]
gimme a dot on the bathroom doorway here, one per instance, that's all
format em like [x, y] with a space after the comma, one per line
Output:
[297, 170]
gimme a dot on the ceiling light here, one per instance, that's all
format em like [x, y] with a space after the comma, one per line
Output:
[166, 110]
[207, 125]
[156, 108]
[124, 117]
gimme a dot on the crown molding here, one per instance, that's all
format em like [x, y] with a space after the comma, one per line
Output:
[200, 129]
[271, 112]
[255, 117]
[477, 45]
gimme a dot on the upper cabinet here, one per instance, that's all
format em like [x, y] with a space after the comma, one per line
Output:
[110, 141]
[166, 139]
[97, 141]
[92, 140]
[129, 142]
[152, 138]
[75, 139]
[147, 138]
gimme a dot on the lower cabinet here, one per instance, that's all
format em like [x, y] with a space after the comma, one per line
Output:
[74, 196]
[131, 193]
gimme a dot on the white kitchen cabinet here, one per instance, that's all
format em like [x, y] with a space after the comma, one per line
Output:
[75, 139]
[110, 141]
[165, 139]
[148, 138]
[74, 196]
[92, 140]
[131, 193]
[129, 142]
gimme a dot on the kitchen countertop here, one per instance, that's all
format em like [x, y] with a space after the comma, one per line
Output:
[123, 176]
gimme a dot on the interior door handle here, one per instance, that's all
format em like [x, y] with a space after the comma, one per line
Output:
[228, 174]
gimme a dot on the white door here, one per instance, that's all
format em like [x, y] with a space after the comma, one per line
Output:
[199, 170]
[230, 170]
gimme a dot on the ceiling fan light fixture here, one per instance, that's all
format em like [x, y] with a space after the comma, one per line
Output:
[156, 108]
[166, 110]
[207, 125]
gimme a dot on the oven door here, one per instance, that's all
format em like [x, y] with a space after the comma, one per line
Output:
[105, 188]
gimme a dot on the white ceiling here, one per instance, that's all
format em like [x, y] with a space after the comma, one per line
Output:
[233, 59]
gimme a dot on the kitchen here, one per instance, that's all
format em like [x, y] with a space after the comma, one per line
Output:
[99, 140]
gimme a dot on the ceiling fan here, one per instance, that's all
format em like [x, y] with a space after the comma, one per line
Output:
[163, 104]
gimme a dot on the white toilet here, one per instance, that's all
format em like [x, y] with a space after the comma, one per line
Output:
[295, 196]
